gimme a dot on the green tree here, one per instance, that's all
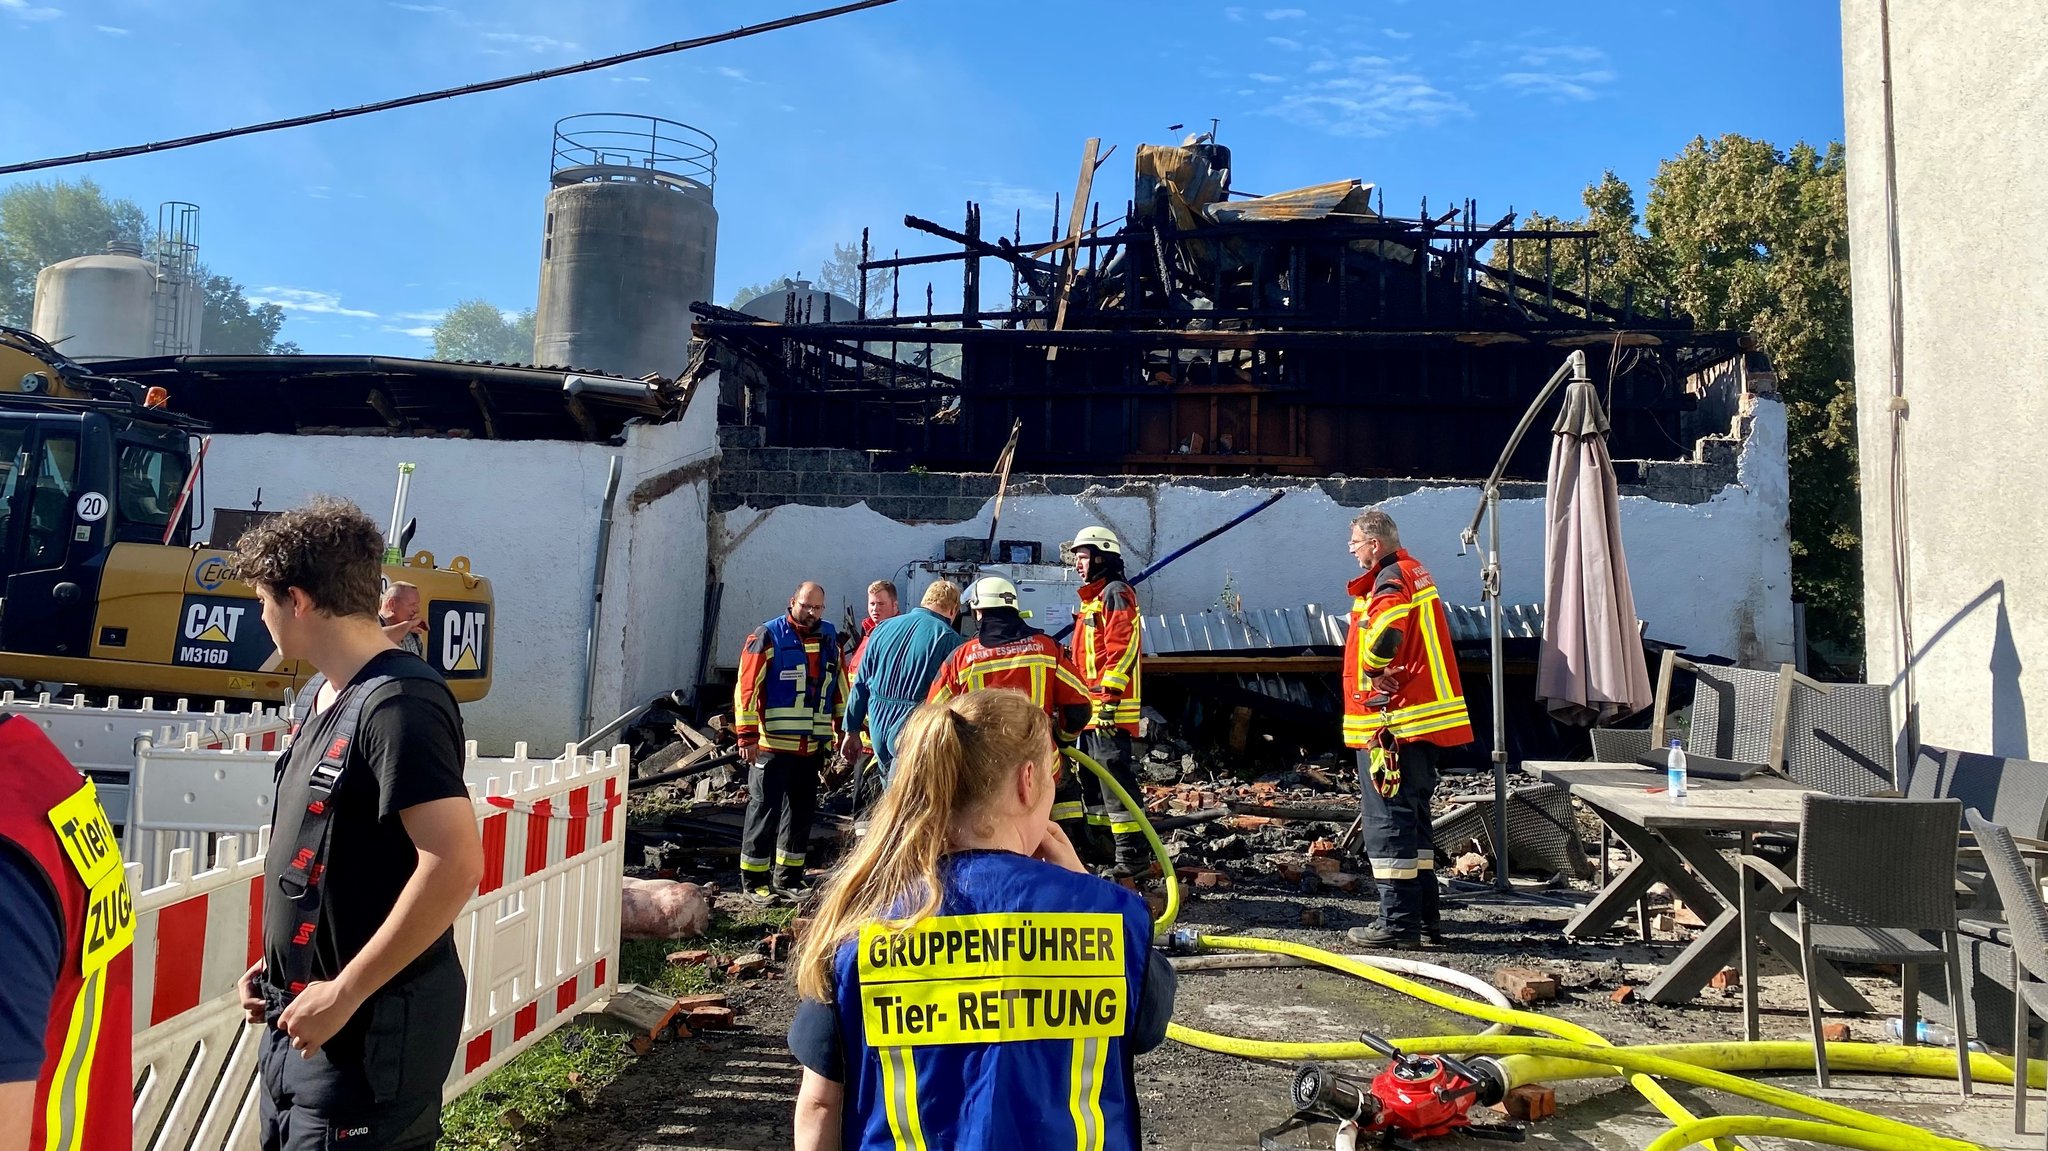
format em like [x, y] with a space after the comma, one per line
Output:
[233, 327]
[749, 292]
[1739, 234]
[42, 223]
[840, 275]
[479, 330]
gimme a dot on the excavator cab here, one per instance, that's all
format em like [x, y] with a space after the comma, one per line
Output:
[80, 475]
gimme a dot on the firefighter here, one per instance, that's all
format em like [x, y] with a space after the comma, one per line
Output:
[1403, 704]
[787, 706]
[1107, 637]
[1007, 652]
[965, 982]
[68, 921]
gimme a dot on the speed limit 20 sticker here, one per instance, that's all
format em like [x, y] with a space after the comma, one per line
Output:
[92, 507]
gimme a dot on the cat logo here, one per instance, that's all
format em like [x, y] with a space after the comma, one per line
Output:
[462, 635]
[221, 632]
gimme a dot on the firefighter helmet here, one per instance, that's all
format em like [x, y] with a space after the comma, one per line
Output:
[992, 591]
[1101, 539]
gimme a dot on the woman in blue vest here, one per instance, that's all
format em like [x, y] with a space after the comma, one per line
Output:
[966, 983]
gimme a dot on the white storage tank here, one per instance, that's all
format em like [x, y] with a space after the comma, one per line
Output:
[630, 242]
[98, 307]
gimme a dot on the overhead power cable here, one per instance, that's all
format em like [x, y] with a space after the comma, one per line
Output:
[443, 94]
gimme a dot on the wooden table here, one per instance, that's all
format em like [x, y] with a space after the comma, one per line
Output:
[1680, 847]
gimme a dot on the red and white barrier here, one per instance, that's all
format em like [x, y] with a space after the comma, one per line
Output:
[539, 941]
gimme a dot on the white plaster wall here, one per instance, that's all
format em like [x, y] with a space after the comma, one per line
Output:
[654, 589]
[1714, 576]
[526, 514]
[1970, 109]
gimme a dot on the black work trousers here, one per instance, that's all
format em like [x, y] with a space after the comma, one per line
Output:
[782, 796]
[1107, 817]
[376, 1085]
[1397, 839]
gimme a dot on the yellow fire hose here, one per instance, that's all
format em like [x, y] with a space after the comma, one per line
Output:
[1579, 1052]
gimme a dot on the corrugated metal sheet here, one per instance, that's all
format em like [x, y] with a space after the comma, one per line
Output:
[1309, 626]
[1315, 202]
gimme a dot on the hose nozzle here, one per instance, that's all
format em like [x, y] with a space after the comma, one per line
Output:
[1183, 941]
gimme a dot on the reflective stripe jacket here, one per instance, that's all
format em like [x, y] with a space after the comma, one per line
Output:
[49, 812]
[1107, 648]
[1426, 702]
[1002, 1022]
[780, 697]
[1034, 664]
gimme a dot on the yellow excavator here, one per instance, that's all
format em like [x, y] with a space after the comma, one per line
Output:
[102, 586]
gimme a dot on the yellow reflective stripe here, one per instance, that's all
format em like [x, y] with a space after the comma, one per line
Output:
[1439, 672]
[941, 691]
[1038, 682]
[1008, 1009]
[65, 1110]
[1084, 1092]
[1065, 810]
[782, 860]
[1374, 628]
[1068, 677]
[899, 1098]
[747, 864]
[1064, 944]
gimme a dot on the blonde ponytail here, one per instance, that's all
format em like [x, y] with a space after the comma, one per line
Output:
[952, 760]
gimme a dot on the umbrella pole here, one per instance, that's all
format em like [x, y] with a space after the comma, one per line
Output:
[1489, 580]
[1574, 367]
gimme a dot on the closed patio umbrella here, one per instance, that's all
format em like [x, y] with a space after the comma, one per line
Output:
[1590, 670]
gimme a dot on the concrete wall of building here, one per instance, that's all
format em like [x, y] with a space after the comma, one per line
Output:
[1709, 558]
[526, 514]
[1969, 108]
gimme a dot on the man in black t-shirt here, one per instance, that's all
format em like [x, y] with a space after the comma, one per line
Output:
[373, 853]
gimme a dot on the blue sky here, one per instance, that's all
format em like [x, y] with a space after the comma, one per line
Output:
[366, 229]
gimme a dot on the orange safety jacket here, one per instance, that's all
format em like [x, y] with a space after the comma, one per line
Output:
[51, 814]
[1032, 664]
[1426, 701]
[1107, 647]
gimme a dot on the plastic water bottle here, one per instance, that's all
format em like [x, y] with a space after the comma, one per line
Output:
[1674, 774]
[1931, 1034]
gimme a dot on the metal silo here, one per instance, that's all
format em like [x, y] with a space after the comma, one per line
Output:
[98, 307]
[631, 242]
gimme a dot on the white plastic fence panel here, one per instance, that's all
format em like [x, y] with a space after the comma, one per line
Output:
[189, 795]
[539, 943]
[99, 739]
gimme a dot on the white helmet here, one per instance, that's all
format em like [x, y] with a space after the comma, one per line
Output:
[1099, 538]
[992, 591]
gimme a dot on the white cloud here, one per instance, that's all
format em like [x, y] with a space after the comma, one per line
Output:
[739, 74]
[999, 194]
[1546, 56]
[786, 107]
[428, 9]
[1372, 96]
[530, 42]
[1284, 42]
[1266, 78]
[631, 80]
[319, 192]
[433, 317]
[308, 302]
[23, 10]
[416, 333]
[1286, 14]
[1573, 86]
[1234, 15]
[1395, 34]
[110, 30]
[1320, 66]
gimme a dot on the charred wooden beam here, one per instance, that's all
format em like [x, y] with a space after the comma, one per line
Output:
[998, 251]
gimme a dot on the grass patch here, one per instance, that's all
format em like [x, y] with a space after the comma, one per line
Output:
[536, 1083]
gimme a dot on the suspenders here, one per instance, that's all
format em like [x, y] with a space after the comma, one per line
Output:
[302, 876]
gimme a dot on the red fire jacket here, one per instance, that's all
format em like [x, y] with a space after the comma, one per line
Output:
[1033, 664]
[1424, 698]
[51, 814]
[1108, 648]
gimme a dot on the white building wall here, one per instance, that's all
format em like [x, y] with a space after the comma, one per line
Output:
[1714, 576]
[1969, 107]
[526, 514]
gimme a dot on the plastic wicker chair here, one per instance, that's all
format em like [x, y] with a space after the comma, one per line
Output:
[1850, 910]
[1837, 737]
[1735, 710]
[2028, 920]
[1619, 744]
